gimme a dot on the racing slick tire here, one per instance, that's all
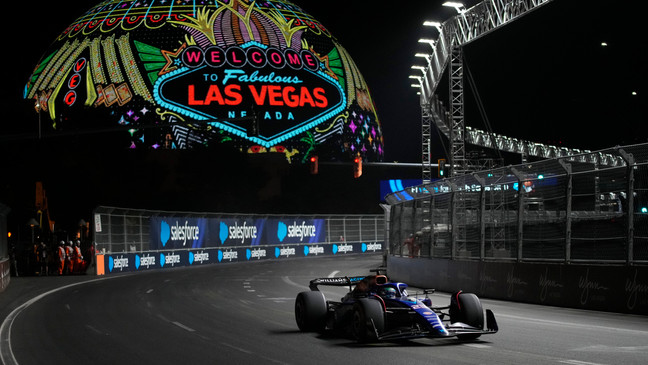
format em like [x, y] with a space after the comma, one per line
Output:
[310, 311]
[368, 320]
[466, 308]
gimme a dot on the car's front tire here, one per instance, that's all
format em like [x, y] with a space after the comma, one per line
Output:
[310, 311]
[368, 320]
[466, 308]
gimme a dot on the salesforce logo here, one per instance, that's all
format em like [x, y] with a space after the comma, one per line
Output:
[257, 253]
[169, 259]
[144, 261]
[343, 248]
[371, 247]
[285, 251]
[120, 263]
[240, 233]
[223, 233]
[198, 257]
[165, 233]
[313, 250]
[281, 231]
[227, 255]
[178, 232]
[295, 231]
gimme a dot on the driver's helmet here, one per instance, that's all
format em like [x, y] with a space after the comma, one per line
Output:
[387, 292]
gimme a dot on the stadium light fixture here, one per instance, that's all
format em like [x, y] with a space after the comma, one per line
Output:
[459, 7]
[421, 68]
[429, 23]
[423, 55]
[431, 42]
[417, 78]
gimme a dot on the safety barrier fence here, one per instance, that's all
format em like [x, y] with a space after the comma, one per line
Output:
[136, 240]
[587, 208]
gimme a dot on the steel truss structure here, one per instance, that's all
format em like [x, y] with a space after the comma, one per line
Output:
[456, 32]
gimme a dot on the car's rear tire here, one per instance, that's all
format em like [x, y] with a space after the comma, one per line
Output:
[368, 320]
[310, 311]
[466, 308]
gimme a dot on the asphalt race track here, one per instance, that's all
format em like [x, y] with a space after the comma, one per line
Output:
[243, 314]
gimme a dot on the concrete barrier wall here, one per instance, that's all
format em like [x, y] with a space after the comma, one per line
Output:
[622, 289]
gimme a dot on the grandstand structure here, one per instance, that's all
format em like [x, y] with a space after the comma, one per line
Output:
[447, 56]
[569, 206]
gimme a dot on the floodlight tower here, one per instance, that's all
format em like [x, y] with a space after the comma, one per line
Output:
[463, 28]
[457, 120]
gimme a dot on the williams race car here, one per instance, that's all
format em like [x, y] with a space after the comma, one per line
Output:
[376, 309]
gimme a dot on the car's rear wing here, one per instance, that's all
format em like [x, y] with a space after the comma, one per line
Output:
[347, 280]
[336, 281]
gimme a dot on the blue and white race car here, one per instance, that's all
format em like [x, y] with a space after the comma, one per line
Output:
[376, 309]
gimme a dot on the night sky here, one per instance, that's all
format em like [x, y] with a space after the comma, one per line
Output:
[545, 77]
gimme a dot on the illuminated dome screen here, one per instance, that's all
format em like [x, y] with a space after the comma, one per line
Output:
[259, 76]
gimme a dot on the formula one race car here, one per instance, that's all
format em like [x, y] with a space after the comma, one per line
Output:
[376, 309]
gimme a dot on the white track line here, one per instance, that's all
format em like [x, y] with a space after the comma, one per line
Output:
[6, 354]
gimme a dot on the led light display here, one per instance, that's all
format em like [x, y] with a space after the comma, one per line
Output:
[260, 76]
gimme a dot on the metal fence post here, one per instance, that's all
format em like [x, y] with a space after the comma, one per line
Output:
[568, 208]
[453, 221]
[141, 234]
[520, 215]
[328, 231]
[432, 229]
[481, 214]
[630, 161]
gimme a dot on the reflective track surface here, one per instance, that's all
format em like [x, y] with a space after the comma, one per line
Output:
[244, 314]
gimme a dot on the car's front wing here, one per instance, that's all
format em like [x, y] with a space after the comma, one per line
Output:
[452, 330]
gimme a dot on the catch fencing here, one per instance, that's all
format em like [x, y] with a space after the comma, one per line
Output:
[588, 208]
[118, 230]
[137, 240]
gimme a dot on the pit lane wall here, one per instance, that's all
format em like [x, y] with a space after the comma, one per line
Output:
[138, 240]
[614, 288]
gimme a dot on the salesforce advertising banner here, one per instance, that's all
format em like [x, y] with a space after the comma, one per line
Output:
[181, 232]
[142, 261]
[298, 231]
[239, 232]
[168, 233]
[176, 233]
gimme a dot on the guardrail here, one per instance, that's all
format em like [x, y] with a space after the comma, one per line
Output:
[137, 240]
